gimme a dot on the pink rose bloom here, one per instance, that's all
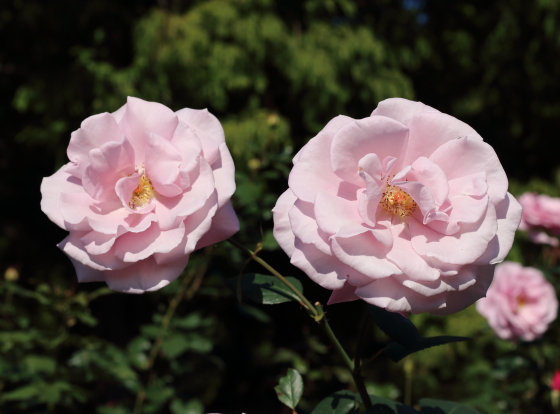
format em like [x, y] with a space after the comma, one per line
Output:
[145, 186]
[540, 211]
[407, 209]
[555, 383]
[520, 303]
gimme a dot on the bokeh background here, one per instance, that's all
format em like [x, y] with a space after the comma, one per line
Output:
[274, 72]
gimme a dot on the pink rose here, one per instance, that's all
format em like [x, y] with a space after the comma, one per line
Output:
[145, 186]
[520, 303]
[540, 211]
[407, 209]
[555, 383]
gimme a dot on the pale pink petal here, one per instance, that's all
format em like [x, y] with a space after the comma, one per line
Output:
[344, 294]
[98, 243]
[224, 175]
[432, 176]
[464, 210]
[327, 271]
[202, 120]
[313, 171]
[74, 248]
[463, 280]
[190, 148]
[105, 166]
[460, 248]
[196, 226]
[119, 113]
[51, 189]
[304, 226]
[472, 185]
[335, 213]
[365, 254]
[162, 165]
[104, 217]
[224, 225]
[145, 275]
[457, 301]
[282, 229]
[171, 210]
[508, 214]
[403, 255]
[400, 109]
[93, 133]
[390, 294]
[142, 117]
[430, 130]
[465, 156]
[132, 247]
[86, 274]
[376, 135]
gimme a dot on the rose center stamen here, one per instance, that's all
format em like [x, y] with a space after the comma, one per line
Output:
[397, 201]
[142, 194]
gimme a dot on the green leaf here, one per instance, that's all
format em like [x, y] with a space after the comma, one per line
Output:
[385, 406]
[290, 388]
[432, 406]
[193, 406]
[341, 402]
[397, 352]
[267, 290]
[39, 364]
[395, 326]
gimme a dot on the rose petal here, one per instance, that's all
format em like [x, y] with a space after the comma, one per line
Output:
[344, 294]
[377, 135]
[133, 247]
[51, 189]
[282, 228]
[224, 225]
[325, 270]
[508, 214]
[142, 117]
[145, 275]
[304, 226]
[400, 109]
[365, 254]
[105, 166]
[403, 255]
[462, 157]
[93, 133]
[430, 130]
[162, 165]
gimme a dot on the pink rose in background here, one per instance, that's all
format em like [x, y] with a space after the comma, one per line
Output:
[407, 209]
[520, 303]
[145, 186]
[540, 211]
[555, 383]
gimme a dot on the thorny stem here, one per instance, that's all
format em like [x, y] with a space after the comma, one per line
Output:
[310, 308]
[317, 313]
[357, 372]
[187, 291]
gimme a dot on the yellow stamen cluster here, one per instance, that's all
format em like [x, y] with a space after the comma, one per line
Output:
[521, 302]
[397, 201]
[142, 194]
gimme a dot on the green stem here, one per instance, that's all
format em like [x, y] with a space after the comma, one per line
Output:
[311, 309]
[317, 313]
[349, 364]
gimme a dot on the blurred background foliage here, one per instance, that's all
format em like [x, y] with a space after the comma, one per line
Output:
[274, 72]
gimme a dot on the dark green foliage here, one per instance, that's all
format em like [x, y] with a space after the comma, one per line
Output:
[274, 72]
[290, 388]
[267, 290]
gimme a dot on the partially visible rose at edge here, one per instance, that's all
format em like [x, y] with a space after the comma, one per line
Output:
[145, 186]
[520, 303]
[407, 209]
[540, 212]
